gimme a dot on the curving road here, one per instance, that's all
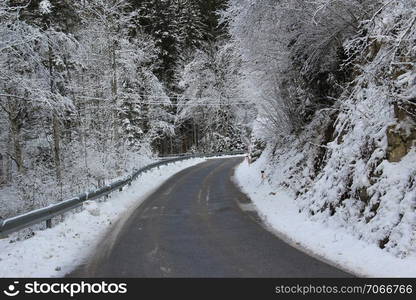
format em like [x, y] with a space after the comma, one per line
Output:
[193, 226]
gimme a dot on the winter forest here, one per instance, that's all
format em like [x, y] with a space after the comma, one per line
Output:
[92, 89]
[324, 89]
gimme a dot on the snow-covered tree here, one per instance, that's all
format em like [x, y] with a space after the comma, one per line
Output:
[210, 101]
[77, 91]
[293, 51]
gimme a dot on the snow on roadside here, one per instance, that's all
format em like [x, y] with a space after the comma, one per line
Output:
[57, 251]
[226, 156]
[280, 213]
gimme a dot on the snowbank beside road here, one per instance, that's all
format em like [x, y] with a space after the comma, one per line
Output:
[57, 251]
[329, 241]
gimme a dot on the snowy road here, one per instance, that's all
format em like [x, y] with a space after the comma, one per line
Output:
[193, 226]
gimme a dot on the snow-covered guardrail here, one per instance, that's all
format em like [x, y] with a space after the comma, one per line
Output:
[47, 213]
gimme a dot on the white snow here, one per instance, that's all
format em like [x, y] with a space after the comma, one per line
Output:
[331, 242]
[45, 7]
[57, 251]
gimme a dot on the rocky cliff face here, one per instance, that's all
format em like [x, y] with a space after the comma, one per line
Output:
[401, 137]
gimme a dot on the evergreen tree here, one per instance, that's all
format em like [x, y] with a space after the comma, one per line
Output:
[178, 28]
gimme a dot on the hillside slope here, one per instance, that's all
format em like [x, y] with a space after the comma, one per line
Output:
[353, 164]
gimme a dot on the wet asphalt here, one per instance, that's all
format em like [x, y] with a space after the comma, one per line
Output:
[194, 226]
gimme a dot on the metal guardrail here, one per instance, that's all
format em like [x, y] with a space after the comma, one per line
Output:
[17, 223]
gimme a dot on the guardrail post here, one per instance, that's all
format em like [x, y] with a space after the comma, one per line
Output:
[2, 235]
[49, 223]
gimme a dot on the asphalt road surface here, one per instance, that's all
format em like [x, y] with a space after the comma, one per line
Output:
[194, 226]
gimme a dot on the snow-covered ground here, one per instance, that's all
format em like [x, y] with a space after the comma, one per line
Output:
[331, 242]
[57, 251]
